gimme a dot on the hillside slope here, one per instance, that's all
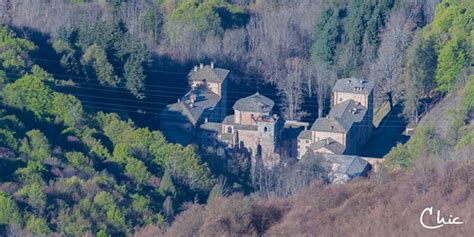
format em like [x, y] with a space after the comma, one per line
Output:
[383, 205]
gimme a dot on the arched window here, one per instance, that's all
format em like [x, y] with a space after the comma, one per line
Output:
[229, 129]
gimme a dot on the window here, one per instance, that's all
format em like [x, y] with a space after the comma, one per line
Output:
[340, 99]
[307, 141]
[265, 129]
[229, 129]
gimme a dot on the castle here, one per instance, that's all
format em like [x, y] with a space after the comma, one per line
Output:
[199, 116]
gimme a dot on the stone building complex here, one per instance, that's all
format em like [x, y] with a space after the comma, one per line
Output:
[348, 125]
[205, 101]
[199, 117]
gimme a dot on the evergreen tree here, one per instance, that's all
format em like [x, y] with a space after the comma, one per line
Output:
[326, 36]
[96, 58]
[134, 76]
[10, 213]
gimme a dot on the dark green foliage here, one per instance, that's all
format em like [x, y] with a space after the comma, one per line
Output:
[96, 60]
[419, 74]
[8, 139]
[134, 77]
[75, 171]
[79, 161]
[425, 143]
[29, 92]
[68, 109]
[137, 171]
[167, 187]
[36, 198]
[13, 56]
[347, 28]
[37, 225]
[326, 36]
[107, 53]
[452, 59]
[10, 213]
[438, 57]
[36, 145]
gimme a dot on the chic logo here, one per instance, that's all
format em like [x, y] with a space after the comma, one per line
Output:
[440, 221]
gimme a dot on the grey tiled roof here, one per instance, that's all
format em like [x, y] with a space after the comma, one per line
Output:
[357, 166]
[229, 120]
[184, 110]
[305, 134]
[211, 127]
[352, 166]
[209, 74]
[329, 124]
[353, 85]
[348, 109]
[341, 117]
[330, 144]
[254, 103]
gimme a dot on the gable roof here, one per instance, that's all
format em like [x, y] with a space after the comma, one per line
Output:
[329, 144]
[211, 127]
[352, 166]
[356, 167]
[353, 85]
[184, 110]
[341, 117]
[305, 134]
[209, 74]
[229, 120]
[254, 103]
[329, 124]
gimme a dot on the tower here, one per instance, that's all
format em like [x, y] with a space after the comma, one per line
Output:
[268, 139]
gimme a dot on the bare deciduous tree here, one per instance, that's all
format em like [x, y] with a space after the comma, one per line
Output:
[325, 77]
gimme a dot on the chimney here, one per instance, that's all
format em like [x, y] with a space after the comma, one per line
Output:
[201, 65]
[212, 65]
[348, 81]
[206, 120]
[192, 97]
[195, 68]
[326, 141]
[179, 100]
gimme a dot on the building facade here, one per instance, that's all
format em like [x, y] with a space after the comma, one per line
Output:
[252, 127]
[348, 125]
[205, 101]
[200, 117]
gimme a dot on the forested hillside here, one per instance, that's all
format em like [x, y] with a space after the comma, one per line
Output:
[301, 51]
[65, 170]
[82, 83]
